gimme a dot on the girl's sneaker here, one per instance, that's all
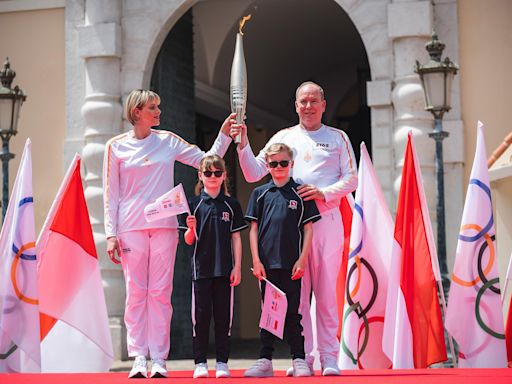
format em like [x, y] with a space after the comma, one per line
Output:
[222, 370]
[201, 370]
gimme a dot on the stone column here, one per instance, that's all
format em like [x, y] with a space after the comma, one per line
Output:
[410, 26]
[99, 41]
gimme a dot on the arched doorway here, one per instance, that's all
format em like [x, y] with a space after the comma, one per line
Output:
[286, 42]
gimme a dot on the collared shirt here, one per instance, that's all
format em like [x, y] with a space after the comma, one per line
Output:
[217, 218]
[281, 214]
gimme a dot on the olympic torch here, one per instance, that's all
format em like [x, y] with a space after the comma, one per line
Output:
[238, 86]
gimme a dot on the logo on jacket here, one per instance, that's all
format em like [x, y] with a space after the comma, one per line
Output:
[292, 204]
[225, 216]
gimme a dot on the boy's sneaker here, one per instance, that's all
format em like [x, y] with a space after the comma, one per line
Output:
[330, 367]
[201, 370]
[289, 371]
[139, 369]
[222, 370]
[158, 369]
[301, 368]
[261, 368]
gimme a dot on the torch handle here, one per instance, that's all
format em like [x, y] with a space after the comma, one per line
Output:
[239, 120]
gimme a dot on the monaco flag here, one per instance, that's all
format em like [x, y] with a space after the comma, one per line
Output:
[508, 326]
[475, 317]
[371, 240]
[413, 328]
[19, 304]
[75, 335]
[347, 212]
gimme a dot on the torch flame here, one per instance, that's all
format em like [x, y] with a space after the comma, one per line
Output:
[242, 23]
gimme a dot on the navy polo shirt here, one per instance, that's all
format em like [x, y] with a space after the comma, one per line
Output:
[217, 218]
[281, 215]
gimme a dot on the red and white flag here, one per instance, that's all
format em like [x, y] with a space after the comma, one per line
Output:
[475, 317]
[371, 241]
[75, 335]
[19, 304]
[413, 328]
[347, 212]
[508, 325]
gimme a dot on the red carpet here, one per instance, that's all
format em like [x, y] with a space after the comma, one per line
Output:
[418, 376]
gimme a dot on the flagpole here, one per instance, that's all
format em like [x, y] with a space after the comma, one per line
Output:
[450, 338]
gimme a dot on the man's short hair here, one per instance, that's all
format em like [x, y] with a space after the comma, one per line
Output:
[320, 89]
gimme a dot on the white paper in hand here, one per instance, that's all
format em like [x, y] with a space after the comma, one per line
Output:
[273, 313]
[171, 203]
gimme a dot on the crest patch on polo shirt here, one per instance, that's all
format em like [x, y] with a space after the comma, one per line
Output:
[292, 204]
[225, 216]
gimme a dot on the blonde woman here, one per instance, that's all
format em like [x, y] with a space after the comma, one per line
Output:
[138, 168]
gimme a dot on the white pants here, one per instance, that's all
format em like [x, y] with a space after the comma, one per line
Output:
[323, 266]
[147, 258]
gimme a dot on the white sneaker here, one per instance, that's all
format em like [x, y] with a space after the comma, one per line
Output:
[139, 369]
[261, 368]
[289, 371]
[222, 370]
[158, 368]
[201, 370]
[330, 367]
[301, 368]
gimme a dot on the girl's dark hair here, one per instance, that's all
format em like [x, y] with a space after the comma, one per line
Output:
[208, 162]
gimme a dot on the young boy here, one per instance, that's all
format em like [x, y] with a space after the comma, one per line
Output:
[280, 240]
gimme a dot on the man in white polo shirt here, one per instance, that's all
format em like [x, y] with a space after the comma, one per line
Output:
[326, 169]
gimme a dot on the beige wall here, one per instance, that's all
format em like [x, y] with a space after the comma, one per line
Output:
[34, 43]
[486, 83]
[486, 73]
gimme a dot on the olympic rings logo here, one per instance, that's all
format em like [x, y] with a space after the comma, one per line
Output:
[19, 254]
[486, 246]
[355, 306]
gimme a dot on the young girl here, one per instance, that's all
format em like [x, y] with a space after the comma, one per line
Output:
[214, 229]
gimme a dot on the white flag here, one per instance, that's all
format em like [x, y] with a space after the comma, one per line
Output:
[474, 317]
[273, 313]
[371, 242]
[171, 203]
[19, 299]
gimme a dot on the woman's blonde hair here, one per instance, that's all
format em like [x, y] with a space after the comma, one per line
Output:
[138, 98]
[276, 148]
[208, 162]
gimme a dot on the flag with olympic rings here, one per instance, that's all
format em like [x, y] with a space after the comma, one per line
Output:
[371, 240]
[367, 274]
[474, 317]
[19, 299]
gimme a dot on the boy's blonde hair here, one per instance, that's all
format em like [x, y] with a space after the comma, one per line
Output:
[208, 162]
[276, 148]
[138, 98]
